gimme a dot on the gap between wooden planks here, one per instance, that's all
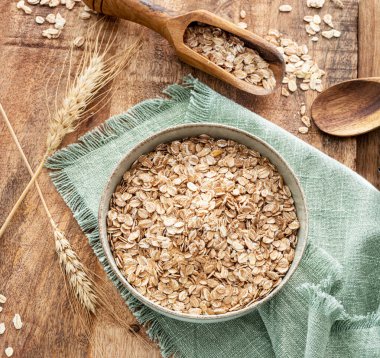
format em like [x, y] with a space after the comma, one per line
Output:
[368, 145]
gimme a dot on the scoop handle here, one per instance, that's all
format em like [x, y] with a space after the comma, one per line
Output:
[143, 12]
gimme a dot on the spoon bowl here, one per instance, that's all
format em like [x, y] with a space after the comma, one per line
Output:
[173, 26]
[349, 108]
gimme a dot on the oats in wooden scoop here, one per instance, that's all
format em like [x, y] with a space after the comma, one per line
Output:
[230, 53]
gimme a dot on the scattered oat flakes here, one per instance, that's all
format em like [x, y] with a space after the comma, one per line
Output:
[298, 63]
[50, 18]
[17, 321]
[314, 38]
[327, 19]
[331, 33]
[243, 14]
[309, 30]
[9, 351]
[308, 18]
[242, 25]
[209, 251]
[303, 109]
[338, 4]
[21, 6]
[316, 19]
[78, 41]
[292, 85]
[285, 92]
[70, 4]
[306, 121]
[39, 20]
[54, 3]
[230, 53]
[84, 15]
[3, 299]
[59, 22]
[315, 27]
[303, 130]
[285, 8]
[2, 328]
[44, 2]
[51, 33]
[33, 2]
[315, 3]
[1, 309]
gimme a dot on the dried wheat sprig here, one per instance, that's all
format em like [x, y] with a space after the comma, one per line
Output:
[98, 295]
[96, 72]
[79, 281]
[92, 293]
[77, 276]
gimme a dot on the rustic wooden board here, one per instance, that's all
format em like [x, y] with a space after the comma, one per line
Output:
[29, 271]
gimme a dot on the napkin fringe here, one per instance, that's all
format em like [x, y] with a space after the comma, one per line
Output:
[200, 100]
[357, 322]
[324, 303]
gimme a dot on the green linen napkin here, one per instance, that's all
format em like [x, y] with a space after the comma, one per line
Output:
[330, 306]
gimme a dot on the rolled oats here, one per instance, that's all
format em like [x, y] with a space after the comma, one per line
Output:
[50, 18]
[315, 3]
[242, 25]
[230, 53]
[8, 351]
[203, 226]
[338, 3]
[17, 321]
[327, 19]
[306, 121]
[331, 33]
[299, 65]
[285, 8]
[39, 20]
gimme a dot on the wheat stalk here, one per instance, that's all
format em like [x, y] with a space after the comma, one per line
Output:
[89, 295]
[95, 72]
[76, 274]
[79, 281]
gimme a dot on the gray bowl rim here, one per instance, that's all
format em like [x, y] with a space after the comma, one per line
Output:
[104, 201]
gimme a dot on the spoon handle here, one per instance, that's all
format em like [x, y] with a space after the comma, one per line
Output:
[143, 12]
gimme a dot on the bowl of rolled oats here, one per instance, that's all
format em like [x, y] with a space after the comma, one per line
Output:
[203, 222]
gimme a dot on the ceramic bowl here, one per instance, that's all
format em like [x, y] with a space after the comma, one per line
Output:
[215, 131]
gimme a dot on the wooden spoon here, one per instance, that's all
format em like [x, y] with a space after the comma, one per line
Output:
[172, 27]
[348, 108]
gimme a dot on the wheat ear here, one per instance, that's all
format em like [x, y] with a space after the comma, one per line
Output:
[76, 274]
[88, 294]
[96, 71]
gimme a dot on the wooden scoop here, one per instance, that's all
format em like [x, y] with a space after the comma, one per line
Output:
[348, 108]
[172, 27]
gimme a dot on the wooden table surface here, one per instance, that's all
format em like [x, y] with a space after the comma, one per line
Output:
[30, 276]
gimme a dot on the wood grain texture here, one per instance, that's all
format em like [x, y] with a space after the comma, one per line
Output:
[29, 270]
[349, 108]
[368, 145]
